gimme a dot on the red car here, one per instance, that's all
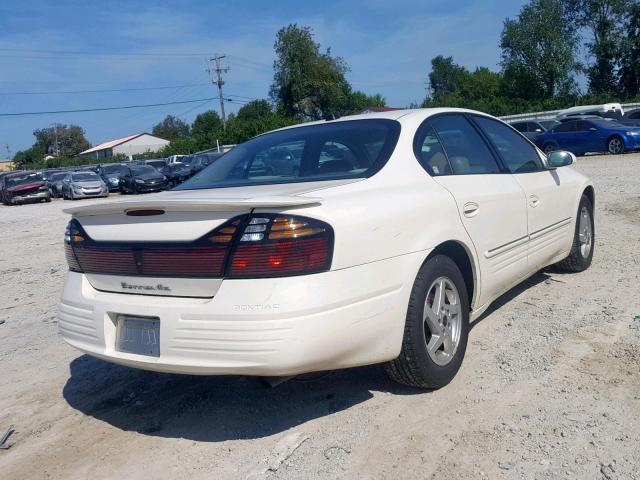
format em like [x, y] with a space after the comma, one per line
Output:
[22, 187]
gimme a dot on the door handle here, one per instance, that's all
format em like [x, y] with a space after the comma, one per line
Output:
[470, 209]
[534, 200]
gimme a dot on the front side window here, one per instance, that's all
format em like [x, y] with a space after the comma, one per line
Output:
[516, 152]
[465, 148]
[521, 126]
[565, 127]
[326, 151]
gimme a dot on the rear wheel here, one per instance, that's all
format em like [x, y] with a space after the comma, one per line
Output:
[581, 254]
[615, 146]
[436, 327]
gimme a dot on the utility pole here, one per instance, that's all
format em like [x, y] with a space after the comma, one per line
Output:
[217, 80]
[55, 134]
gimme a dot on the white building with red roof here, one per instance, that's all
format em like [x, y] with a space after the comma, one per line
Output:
[131, 145]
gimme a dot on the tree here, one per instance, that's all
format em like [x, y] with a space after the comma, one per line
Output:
[171, 128]
[61, 140]
[539, 51]
[254, 110]
[445, 76]
[29, 157]
[206, 124]
[604, 20]
[307, 83]
[358, 101]
[630, 64]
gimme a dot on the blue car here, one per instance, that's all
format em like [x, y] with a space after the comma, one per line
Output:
[593, 135]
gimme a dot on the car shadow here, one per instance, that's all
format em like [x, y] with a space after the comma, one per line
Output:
[215, 409]
[501, 301]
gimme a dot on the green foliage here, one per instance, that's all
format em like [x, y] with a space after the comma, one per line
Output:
[171, 128]
[539, 51]
[630, 62]
[61, 140]
[307, 83]
[206, 124]
[358, 101]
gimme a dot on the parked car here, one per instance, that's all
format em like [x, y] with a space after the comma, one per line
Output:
[632, 117]
[83, 184]
[529, 128]
[142, 178]
[548, 124]
[203, 160]
[397, 229]
[54, 183]
[176, 172]
[175, 158]
[17, 188]
[573, 118]
[110, 174]
[607, 110]
[593, 135]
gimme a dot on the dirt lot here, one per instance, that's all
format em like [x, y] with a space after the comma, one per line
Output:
[550, 387]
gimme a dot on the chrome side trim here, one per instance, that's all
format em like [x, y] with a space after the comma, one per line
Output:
[506, 247]
[550, 228]
[527, 238]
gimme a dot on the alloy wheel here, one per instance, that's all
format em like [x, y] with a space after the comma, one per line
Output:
[585, 232]
[615, 146]
[442, 319]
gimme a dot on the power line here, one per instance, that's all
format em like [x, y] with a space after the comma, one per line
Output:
[104, 54]
[126, 107]
[105, 90]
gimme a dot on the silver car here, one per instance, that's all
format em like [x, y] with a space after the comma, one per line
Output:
[83, 185]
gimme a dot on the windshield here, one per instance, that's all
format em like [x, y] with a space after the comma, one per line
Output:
[84, 177]
[608, 124]
[326, 151]
[157, 164]
[143, 170]
[23, 179]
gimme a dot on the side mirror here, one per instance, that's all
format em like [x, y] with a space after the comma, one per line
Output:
[538, 130]
[560, 158]
[593, 129]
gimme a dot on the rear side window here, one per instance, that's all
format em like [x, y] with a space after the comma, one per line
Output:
[465, 148]
[516, 152]
[326, 151]
[521, 127]
[430, 153]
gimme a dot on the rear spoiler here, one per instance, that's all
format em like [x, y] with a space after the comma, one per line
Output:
[192, 205]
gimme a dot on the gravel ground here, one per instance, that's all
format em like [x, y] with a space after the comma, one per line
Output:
[550, 387]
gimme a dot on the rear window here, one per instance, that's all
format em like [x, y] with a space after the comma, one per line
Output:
[329, 151]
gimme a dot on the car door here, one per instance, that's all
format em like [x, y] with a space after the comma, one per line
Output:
[562, 135]
[550, 212]
[490, 202]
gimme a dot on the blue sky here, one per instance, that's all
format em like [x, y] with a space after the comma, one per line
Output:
[387, 44]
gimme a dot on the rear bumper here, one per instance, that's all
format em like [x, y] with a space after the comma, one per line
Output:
[265, 327]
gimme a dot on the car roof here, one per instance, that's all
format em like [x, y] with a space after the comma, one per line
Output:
[406, 114]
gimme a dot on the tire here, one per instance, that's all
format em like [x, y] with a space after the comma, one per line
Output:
[549, 147]
[581, 254]
[615, 146]
[415, 366]
[48, 199]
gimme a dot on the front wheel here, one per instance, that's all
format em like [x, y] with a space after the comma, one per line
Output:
[615, 146]
[581, 254]
[436, 327]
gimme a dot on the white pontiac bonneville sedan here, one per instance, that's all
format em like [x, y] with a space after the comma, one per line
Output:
[371, 238]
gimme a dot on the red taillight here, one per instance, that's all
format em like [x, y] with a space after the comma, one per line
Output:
[244, 247]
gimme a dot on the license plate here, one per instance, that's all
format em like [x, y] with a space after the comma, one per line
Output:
[139, 335]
